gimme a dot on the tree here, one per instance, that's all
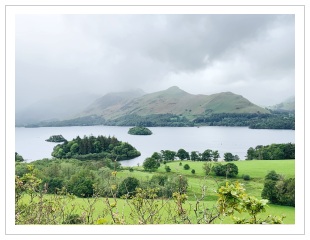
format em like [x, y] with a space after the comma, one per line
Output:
[215, 155]
[250, 154]
[182, 154]
[128, 185]
[194, 156]
[167, 168]
[150, 164]
[186, 166]
[236, 158]
[18, 158]
[228, 157]
[156, 156]
[74, 148]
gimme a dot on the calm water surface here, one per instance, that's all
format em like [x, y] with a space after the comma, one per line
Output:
[31, 144]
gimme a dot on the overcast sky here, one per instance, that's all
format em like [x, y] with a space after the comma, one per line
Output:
[251, 55]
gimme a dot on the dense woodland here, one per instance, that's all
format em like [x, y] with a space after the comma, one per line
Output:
[95, 148]
[139, 131]
[275, 120]
[272, 152]
[153, 120]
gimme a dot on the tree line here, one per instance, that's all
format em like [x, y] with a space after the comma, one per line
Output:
[272, 152]
[95, 148]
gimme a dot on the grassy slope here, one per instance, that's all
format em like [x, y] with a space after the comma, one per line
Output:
[176, 101]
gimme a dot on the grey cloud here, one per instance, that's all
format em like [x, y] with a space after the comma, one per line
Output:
[56, 54]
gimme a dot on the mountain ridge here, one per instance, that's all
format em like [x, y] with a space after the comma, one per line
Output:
[172, 100]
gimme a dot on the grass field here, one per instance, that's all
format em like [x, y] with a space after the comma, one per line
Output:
[256, 169]
[123, 208]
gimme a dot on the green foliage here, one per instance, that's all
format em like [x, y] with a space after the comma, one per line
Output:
[279, 190]
[152, 120]
[56, 138]
[150, 164]
[275, 120]
[131, 169]
[272, 175]
[195, 156]
[81, 188]
[229, 169]
[272, 152]
[95, 148]
[207, 167]
[167, 168]
[246, 177]
[215, 155]
[228, 157]
[18, 158]
[139, 131]
[160, 179]
[186, 166]
[180, 164]
[206, 155]
[156, 156]
[193, 171]
[128, 186]
[182, 154]
[168, 155]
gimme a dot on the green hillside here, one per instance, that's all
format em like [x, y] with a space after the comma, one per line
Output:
[174, 101]
[287, 105]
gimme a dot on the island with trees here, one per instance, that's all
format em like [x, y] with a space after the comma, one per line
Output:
[56, 138]
[139, 131]
[95, 148]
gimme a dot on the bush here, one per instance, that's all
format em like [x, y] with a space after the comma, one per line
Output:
[221, 170]
[164, 162]
[246, 177]
[131, 169]
[167, 168]
[180, 164]
[186, 166]
[128, 185]
[193, 171]
[272, 175]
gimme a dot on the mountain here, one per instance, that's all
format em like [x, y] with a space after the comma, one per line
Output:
[173, 100]
[109, 100]
[287, 105]
[53, 109]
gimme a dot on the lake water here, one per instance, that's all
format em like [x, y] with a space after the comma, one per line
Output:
[30, 142]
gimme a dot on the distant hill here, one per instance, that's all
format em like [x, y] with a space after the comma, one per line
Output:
[287, 105]
[109, 100]
[56, 108]
[173, 101]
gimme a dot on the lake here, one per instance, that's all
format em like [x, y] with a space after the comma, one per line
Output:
[30, 142]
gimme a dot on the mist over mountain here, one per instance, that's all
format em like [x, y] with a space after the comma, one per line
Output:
[56, 108]
[287, 105]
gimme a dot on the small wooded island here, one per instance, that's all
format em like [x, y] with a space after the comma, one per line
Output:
[139, 131]
[56, 138]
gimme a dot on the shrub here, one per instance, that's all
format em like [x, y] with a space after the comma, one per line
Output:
[186, 166]
[164, 162]
[193, 171]
[131, 169]
[167, 168]
[221, 170]
[246, 177]
[128, 185]
[272, 175]
[180, 164]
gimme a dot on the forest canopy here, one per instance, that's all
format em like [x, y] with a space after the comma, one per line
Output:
[95, 148]
[139, 131]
